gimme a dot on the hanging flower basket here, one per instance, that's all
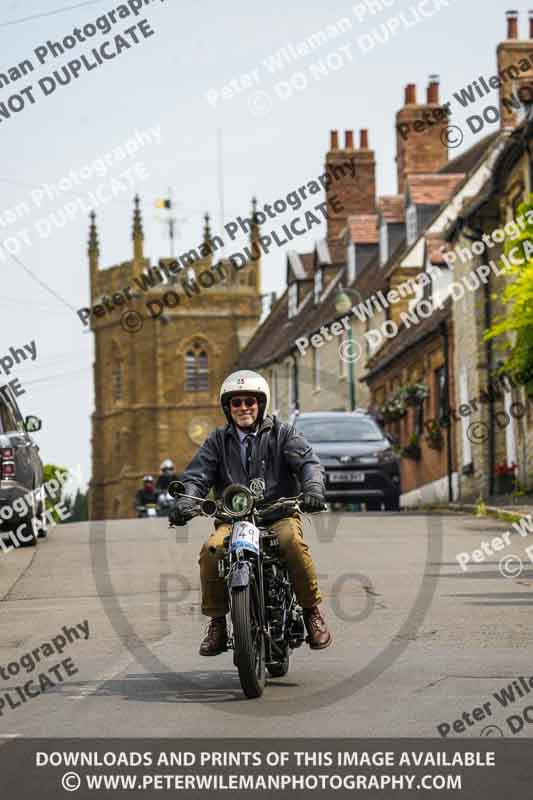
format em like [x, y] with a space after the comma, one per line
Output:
[393, 410]
[434, 438]
[414, 394]
[412, 449]
[435, 441]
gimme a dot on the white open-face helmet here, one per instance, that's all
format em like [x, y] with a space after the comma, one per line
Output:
[167, 464]
[245, 382]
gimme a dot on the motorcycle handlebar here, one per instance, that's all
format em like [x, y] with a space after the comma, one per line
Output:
[212, 508]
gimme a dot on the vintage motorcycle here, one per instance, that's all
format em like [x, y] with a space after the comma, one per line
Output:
[164, 504]
[266, 621]
[148, 510]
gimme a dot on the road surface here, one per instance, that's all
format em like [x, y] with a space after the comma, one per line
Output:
[417, 642]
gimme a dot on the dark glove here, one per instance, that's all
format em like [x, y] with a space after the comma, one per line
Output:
[183, 511]
[312, 501]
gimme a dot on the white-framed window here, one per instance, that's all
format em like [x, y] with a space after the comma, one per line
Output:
[411, 226]
[293, 299]
[316, 369]
[383, 244]
[318, 286]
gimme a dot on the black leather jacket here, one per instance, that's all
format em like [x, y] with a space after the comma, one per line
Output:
[143, 497]
[163, 481]
[281, 456]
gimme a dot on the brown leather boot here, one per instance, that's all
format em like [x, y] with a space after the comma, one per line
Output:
[216, 640]
[319, 637]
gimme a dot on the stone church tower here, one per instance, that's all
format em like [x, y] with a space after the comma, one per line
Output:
[156, 389]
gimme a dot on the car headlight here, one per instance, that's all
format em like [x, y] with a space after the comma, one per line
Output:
[371, 459]
[386, 456]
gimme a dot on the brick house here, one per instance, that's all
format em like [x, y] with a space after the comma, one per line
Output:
[418, 315]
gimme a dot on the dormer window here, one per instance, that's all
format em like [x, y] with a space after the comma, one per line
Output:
[383, 244]
[411, 225]
[318, 286]
[293, 299]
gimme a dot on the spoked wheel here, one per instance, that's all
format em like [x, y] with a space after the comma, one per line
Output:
[249, 642]
[277, 669]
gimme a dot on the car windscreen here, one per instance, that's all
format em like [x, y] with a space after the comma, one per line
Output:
[339, 430]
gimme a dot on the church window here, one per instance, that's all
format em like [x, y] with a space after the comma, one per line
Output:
[196, 370]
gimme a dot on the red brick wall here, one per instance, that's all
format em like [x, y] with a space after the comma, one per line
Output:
[357, 193]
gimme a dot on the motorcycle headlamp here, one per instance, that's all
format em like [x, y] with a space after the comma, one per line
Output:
[237, 500]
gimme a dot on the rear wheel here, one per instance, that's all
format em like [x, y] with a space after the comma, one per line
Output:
[249, 642]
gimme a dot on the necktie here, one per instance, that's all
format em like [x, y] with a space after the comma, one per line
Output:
[249, 444]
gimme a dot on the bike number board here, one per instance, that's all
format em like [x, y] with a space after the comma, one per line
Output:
[245, 536]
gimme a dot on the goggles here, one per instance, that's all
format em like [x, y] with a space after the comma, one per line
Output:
[248, 402]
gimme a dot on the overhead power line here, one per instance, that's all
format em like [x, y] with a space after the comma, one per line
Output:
[48, 13]
[42, 284]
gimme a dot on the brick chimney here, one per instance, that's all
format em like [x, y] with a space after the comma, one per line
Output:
[420, 133]
[352, 173]
[515, 68]
[512, 24]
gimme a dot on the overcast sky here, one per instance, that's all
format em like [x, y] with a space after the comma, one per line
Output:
[271, 143]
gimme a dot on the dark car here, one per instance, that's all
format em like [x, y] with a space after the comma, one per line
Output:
[21, 470]
[358, 460]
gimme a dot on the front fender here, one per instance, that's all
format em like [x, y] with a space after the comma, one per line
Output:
[240, 574]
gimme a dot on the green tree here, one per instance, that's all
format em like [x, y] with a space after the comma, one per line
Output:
[53, 497]
[517, 322]
[78, 506]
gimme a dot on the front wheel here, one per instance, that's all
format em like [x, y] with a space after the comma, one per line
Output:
[249, 642]
[278, 669]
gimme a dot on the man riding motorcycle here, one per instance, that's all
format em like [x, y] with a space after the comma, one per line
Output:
[255, 445]
[166, 476]
[146, 495]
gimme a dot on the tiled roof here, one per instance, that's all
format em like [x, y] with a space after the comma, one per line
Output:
[407, 338]
[468, 160]
[371, 278]
[432, 190]
[391, 207]
[274, 339]
[363, 228]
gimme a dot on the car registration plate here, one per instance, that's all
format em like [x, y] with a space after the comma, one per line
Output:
[346, 477]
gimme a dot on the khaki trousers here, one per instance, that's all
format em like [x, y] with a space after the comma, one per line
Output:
[292, 547]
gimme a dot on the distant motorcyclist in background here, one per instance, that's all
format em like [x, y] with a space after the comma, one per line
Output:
[147, 496]
[166, 476]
